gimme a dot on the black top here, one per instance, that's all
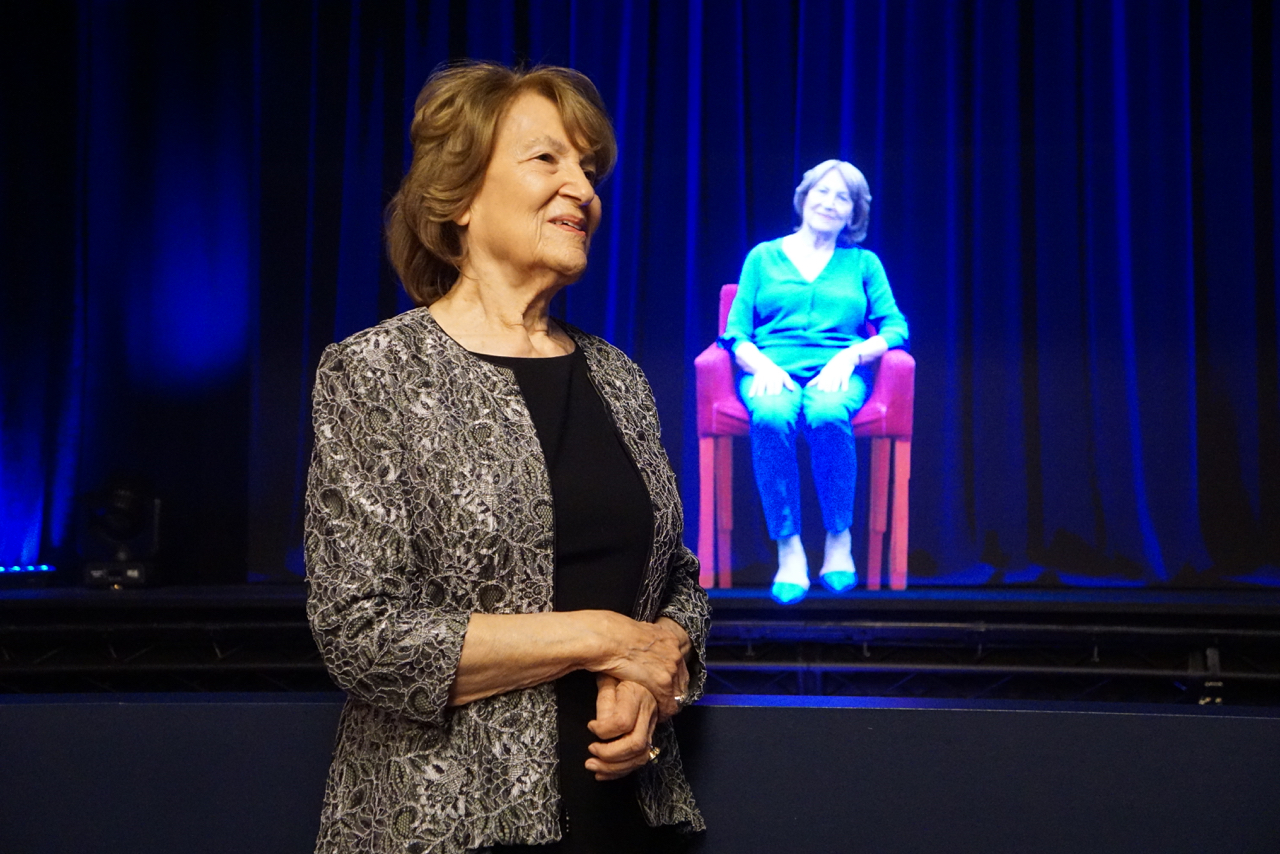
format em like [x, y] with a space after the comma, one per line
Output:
[604, 530]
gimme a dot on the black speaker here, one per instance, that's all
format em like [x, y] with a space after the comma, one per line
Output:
[120, 535]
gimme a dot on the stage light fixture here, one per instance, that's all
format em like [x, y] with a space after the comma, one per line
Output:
[122, 520]
[26, 574]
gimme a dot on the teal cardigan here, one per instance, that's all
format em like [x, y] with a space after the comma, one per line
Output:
[799, 324]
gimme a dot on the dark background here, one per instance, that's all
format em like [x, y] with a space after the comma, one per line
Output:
[1075, 203]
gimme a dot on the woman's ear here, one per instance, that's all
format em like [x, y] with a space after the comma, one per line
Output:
[463, 219]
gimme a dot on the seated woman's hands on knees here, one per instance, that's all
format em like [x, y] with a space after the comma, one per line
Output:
[766, 377]
[835, 374]
[770, 380]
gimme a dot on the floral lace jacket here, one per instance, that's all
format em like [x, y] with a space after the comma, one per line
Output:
[428, 500]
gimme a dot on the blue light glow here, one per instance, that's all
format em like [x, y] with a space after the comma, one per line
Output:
[189, 296]
[43, 567]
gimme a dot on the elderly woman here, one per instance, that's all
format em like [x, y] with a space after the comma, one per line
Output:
[797, 330]
[493, 532]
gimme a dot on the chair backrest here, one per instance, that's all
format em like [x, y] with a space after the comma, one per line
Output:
[728, 292]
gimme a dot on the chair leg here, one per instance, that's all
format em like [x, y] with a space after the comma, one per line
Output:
[899, 529]
[706, 511]
[724, 510]
[878, 517]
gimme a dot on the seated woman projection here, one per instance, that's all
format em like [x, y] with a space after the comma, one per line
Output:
[797, 329]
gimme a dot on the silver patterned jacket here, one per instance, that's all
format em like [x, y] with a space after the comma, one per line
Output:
[428, 500]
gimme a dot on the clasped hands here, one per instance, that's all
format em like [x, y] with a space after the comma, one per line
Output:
[627, 709]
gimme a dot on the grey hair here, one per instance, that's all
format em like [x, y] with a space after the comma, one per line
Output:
[856, 230]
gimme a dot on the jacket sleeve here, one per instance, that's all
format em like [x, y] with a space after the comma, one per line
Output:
[381, 638]
[687, 604]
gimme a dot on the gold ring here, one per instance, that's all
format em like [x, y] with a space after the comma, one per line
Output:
[679, 698]
[653, 752]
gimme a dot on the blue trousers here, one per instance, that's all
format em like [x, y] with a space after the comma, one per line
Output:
[825, 419]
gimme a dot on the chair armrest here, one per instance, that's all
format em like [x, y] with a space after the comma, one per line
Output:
[713, 370]
[895, 390]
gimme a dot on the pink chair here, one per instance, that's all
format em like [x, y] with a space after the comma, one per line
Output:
[885, 419]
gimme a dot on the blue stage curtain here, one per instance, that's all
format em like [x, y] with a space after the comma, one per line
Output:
[1075, 203]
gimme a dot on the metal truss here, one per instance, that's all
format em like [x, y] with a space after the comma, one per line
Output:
[150, 643]
[982, 660]
[166, 657]
[79, 641]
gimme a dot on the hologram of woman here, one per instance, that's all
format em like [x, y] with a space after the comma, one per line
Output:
[797, 329]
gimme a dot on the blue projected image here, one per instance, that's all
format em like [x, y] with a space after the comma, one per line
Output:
[812, 316]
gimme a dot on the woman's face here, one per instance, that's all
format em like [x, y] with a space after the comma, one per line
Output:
[537, 207]
[828, 205]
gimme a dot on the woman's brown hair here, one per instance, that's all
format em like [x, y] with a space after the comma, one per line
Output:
[455, 120]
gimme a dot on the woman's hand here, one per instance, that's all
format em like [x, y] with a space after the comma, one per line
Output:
[650, 654]
[835, 374]
[770, 380]
[625, 717]
[506, 652]
[766, 376]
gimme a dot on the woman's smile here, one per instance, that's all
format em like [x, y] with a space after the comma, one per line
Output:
[573, 225]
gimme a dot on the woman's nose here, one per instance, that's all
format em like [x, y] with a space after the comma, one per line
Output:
[579, 188]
